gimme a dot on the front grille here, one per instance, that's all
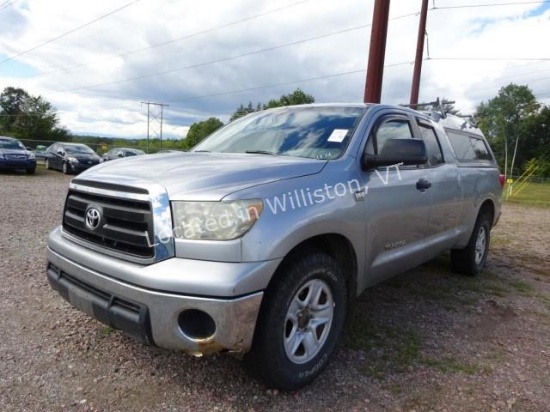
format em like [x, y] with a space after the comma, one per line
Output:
[124, 225]
[15, 157]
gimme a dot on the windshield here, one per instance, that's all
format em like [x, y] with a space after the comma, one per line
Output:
[79, 149]
[314, 132]
[11, 144]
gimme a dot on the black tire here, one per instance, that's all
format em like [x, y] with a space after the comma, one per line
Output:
[31, 171]
[47, 164]
[470, 260]
[292, 344]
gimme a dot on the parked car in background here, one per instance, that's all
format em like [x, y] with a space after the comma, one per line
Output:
[70, 157]
[14, 155]
[121, 152]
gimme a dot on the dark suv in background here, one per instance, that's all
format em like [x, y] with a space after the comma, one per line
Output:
[70, 157]
[14, 155]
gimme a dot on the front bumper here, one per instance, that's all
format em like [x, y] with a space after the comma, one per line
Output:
[17, 164]
[151, 314]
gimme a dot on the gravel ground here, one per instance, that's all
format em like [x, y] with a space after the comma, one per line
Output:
[426, 340]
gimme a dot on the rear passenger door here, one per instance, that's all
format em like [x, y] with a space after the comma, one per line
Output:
[445, 187]
[397, 204]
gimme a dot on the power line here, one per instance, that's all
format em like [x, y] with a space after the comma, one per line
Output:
[490, 58]
[224, 59]
[68, 32]
[470, 6]
[266, 86]
[6, 4]
[185, 37]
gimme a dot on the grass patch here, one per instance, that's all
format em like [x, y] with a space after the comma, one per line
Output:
[450, 364]
[388, 348]
[537, 194]
[106, 330]
[522, 287]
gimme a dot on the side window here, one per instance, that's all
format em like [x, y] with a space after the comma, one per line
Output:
[480, 149]
[391, 129]
[468, 148]
[435, 156]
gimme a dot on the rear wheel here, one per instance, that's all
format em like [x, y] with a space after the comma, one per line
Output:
[301, 320]
[470, 260]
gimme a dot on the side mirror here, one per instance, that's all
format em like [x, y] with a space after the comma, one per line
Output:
[406, 151]
[60, 152]
[28, 147]
[120, 154]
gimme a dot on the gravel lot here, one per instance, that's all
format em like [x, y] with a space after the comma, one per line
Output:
[426, 340]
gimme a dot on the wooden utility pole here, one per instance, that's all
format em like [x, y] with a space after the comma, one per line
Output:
[377, 52]
[415, 88]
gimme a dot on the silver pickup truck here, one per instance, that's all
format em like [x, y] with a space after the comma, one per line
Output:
[259, 239]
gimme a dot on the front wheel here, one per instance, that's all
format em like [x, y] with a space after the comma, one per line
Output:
[301, 320]
[470, 260]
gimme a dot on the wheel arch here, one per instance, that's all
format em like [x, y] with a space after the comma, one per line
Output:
[487, 207]
[336, 246]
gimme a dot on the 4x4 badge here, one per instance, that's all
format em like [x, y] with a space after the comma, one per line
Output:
[93, 218]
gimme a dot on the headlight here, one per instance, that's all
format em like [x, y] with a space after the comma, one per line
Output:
[72, 160]
[31, 155]
[215, 220]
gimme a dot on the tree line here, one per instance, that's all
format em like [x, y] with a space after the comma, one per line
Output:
[516, 125]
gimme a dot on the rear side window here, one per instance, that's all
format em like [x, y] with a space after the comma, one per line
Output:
[468, 148]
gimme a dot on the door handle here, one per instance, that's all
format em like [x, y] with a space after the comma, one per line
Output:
[423, 184]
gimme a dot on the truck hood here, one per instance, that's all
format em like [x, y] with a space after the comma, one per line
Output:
[202, 176]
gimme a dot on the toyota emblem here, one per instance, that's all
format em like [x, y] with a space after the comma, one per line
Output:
[93, 218]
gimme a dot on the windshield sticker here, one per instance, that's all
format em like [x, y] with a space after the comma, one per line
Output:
[338, 135]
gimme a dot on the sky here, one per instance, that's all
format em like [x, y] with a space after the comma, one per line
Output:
[98, 61]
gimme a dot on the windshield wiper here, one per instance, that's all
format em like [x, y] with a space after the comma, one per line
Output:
[261, 152]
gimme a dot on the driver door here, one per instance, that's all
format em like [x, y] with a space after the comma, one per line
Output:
[397, 205]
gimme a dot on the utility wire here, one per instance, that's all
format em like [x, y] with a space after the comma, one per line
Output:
[224, 59]
[69, 32]
[265, 86]
[490, 58]
[6, 4]
[470, 6]
[185, 37]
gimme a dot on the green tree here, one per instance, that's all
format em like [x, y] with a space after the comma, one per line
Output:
[294, 98]
[198, 131]
[502, 118]
[534, 142]
[29, 117]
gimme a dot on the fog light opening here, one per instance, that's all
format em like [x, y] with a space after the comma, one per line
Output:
[196, 324]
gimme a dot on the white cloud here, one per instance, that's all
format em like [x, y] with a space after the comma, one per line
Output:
[96, 79]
